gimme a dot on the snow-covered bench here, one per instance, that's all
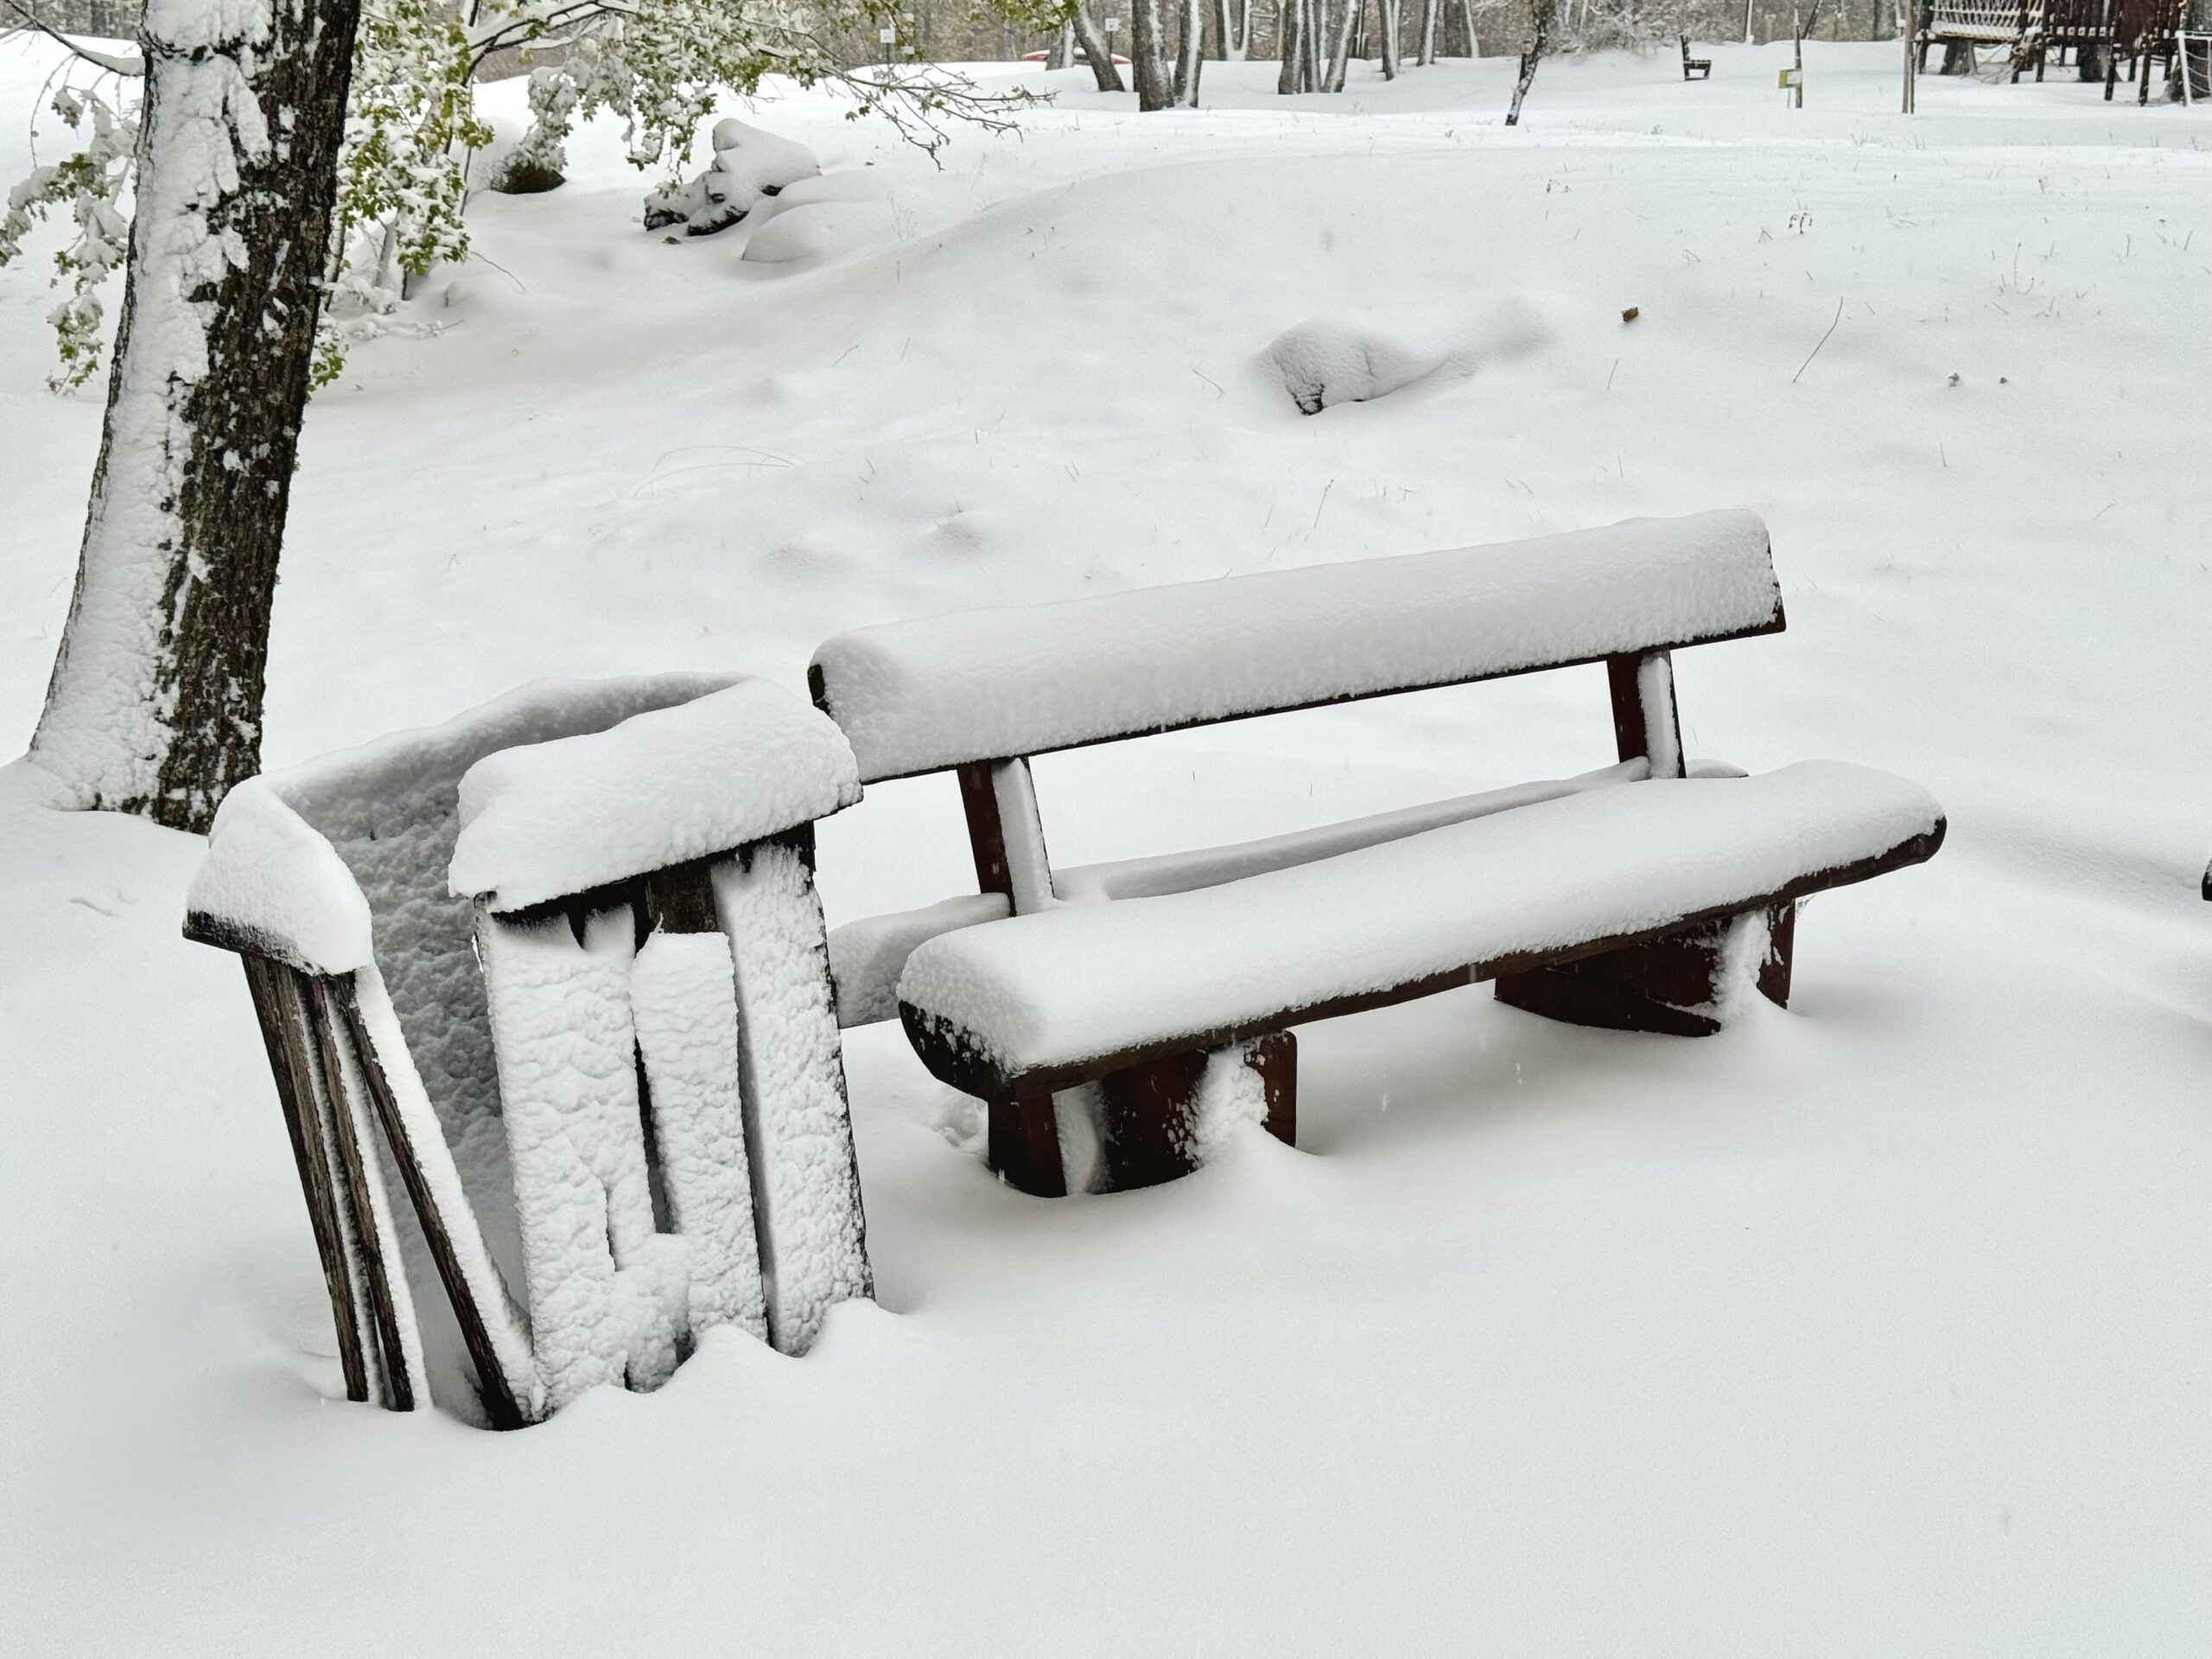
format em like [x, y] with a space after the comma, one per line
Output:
[633, 1106]
[1152, 996]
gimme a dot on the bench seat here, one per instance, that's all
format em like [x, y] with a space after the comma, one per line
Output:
[1067, 994]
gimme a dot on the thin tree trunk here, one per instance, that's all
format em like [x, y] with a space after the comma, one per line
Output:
[1474, 41]
[1386, 26]
[1344, 27]
[1429, 11]
[1190, 54]
[1145, 52]
[1095, 48]
[155, 704]
[1233, 19]
[1063, 48]
[1288, 47]
[1540, 34]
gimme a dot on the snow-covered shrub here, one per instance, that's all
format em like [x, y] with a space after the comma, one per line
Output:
[1327, 361]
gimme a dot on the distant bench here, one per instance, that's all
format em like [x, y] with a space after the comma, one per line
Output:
[1694, 68]
[1632, 898]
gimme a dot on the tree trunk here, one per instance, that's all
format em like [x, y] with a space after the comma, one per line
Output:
[1094, 47]
[1288, 14]
[1191, 53]
[1540, 34]
[1344, 27]
[154, 705]
[1386, 28]
[1429, 9]
[1063, 48]
[1146, 53]
[1233, 19]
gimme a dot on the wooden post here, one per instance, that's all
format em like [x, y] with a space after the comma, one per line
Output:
[500, 1407]
[1148, 1109]
[377, 1254]
[1025, 1143]
[1644, 723]
[269, 983]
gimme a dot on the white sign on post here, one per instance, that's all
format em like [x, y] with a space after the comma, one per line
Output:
[885, 36]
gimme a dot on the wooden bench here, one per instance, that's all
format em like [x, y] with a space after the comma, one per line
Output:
[1694, 68]
[1634, 898]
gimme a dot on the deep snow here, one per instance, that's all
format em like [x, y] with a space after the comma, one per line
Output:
[1877, 1326]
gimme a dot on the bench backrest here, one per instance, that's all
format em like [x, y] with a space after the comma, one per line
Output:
[975, 686]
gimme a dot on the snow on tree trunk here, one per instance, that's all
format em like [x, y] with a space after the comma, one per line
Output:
[1387, 27]
[1148, 56]
[1095, 48]
[1288, 19]
[1429, 9]
[154, 705]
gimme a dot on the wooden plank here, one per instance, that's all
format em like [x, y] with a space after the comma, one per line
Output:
[270, 986]
[377, 1254]
[952, 1059]
[500, 1407]
[807, 1210]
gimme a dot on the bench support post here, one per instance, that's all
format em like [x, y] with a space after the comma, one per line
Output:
[1151, 1109]
[1025, 1143]
[1645, 722]
[1671, 985]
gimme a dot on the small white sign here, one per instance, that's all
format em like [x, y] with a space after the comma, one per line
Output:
[1113, 23]
[885, 36]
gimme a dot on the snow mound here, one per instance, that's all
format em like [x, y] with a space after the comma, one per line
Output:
[819, 229]
[853, 184]
[1324, 361]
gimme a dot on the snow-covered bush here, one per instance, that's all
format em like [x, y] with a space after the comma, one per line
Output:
[659, 65]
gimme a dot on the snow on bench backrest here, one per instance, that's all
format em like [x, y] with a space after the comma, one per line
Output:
[985, 685]
[679, 815]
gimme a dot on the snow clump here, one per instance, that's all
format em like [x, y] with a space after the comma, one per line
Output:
[1323, 362]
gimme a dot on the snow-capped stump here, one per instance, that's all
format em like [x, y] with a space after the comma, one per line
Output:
[1159, 993]
[750, 166]
[448, 1141]
[646, 910]
[1325, 361]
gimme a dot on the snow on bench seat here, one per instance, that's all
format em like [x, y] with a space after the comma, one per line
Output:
[1048, 999]
[985, 685]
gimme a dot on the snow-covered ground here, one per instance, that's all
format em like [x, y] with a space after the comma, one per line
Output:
[1883, 1326]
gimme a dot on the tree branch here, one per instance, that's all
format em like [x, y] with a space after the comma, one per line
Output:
[124, 66]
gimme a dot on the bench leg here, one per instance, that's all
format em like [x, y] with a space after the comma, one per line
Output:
[1025, 1144]
[1670, 986]
[1151, 1109]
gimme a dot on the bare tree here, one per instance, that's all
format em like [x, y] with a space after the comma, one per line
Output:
[155, 704]
[1539, 36]
[1098, 50]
